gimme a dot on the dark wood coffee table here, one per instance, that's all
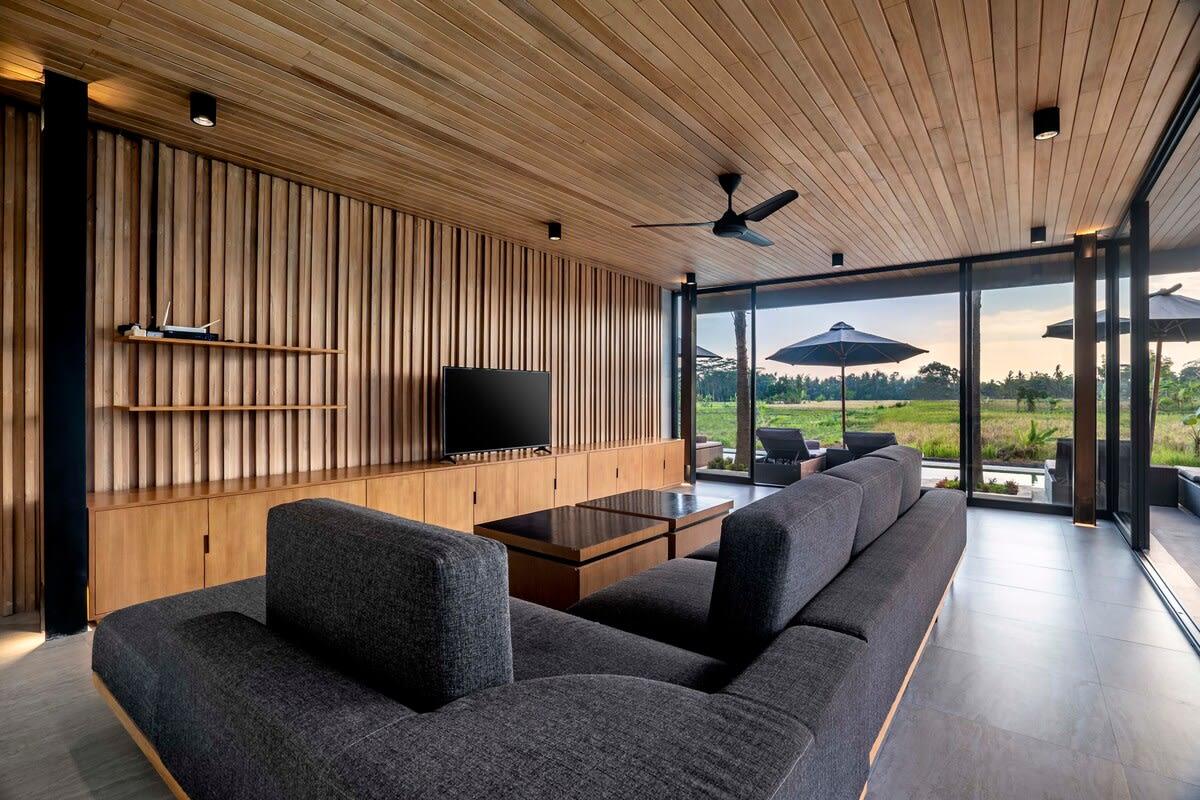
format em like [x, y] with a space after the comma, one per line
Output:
[559, 556]
[692, 520]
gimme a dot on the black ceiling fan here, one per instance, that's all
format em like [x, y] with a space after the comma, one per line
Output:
[731, 225]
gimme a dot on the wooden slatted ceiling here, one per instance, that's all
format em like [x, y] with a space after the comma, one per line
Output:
[20, 369]
[1175, 198]
[281, 262]
[904, 125]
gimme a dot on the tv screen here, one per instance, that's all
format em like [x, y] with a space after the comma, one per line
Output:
[494, 409]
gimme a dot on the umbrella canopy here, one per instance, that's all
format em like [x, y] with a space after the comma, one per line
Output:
[701, 352]
[843, 346]
[1173, 318]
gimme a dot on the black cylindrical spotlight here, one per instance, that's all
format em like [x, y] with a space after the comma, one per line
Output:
[689, 279]
[1037, 234]
[555, 230]
[1045, 123]
[838, 259]
[204, 109]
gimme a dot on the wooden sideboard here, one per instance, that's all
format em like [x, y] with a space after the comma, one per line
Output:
[148, 543]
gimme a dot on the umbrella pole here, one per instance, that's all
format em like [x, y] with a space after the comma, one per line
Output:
[1154, 393]
[843, 404]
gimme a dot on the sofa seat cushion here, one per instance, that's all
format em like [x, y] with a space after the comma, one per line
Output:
[818, 677]
[127, 644]
[889, 594]
[667, 603]
[909, 459]
[580, 737]
[418, 611]
[710, 552]
[547, 642]
[249, 714]
[775, 555]
[882, 483]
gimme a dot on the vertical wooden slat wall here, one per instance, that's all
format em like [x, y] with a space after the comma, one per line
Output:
[20, 328]
[286, 263]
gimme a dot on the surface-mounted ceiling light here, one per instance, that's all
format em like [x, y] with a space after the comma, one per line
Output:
[555, 230]
[1045, 123]
[1037, 234]
[204, 109]
[838, 259]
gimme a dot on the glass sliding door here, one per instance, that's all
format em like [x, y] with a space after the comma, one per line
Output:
[799, 392]
[1021, 395]
[724, 385]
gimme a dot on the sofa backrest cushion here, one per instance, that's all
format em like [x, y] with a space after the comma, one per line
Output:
[881, 481]
[859, 443]
[909, 459]
[776, 553]
[417, 611]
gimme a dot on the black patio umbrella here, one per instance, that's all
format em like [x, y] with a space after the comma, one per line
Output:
[843, 346]
[1173, 318]
[701, 352]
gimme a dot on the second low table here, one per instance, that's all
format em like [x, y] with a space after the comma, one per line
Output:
[692, 520]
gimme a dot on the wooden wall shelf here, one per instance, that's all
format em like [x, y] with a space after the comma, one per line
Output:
[274, 348]
[286, 407]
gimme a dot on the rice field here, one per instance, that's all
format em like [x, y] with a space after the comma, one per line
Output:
[932, 426]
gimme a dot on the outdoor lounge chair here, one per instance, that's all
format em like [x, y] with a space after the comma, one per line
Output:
[789, 456]
[857, 444]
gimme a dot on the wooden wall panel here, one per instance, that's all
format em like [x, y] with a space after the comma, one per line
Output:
[285, 263]
[20, 437]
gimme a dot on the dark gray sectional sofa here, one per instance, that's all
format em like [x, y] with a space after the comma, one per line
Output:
[382, 658]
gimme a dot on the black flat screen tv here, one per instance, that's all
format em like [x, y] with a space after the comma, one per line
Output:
[494, 409]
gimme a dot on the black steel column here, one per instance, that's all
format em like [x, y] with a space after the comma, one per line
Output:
[64, 354]
[687, 378]
[1084, 449]
[1139, 349]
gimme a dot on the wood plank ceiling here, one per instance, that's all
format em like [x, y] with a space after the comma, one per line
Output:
[905, 126]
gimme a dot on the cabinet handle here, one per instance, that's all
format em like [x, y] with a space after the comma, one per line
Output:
[474, 498]
[556, 484]
[206, 544]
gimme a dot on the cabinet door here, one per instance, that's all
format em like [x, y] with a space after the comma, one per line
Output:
[654, 466]
[140, 554]
[237, 534]
[495, 492]
[629, 469]
[673, 452]
[535, 485]
[602, 473]
[450, 498]
[402, 495]
[571, 480]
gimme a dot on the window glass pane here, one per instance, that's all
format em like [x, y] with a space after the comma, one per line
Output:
[724, 414]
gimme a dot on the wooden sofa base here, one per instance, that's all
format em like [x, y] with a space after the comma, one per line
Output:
[887, 722]
[139, 739]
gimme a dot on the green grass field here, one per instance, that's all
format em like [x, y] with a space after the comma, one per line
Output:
[932, 426]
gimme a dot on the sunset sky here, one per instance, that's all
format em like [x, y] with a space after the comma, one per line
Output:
[1013, 321]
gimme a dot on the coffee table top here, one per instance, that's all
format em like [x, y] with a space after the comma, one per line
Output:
[572, 533]
[678, 510]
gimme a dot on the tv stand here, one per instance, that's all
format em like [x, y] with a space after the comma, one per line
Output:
[542, 449]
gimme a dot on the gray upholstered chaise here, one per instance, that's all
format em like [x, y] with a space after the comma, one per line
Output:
[382, 658]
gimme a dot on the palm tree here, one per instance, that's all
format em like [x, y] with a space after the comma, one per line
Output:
[744, 452]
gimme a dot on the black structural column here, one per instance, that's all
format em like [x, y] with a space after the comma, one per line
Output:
[1084, 450]
[64, 354]
[1139, 348]
[687, 377]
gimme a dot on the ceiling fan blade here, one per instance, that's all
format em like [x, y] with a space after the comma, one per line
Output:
[755, 238]
[768, 207]
[671, 225]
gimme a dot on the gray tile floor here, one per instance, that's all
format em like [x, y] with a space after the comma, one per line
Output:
[1053, 672]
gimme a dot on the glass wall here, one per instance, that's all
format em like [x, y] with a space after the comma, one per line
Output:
[724, 391]
[1021, 395]
[906, 383]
